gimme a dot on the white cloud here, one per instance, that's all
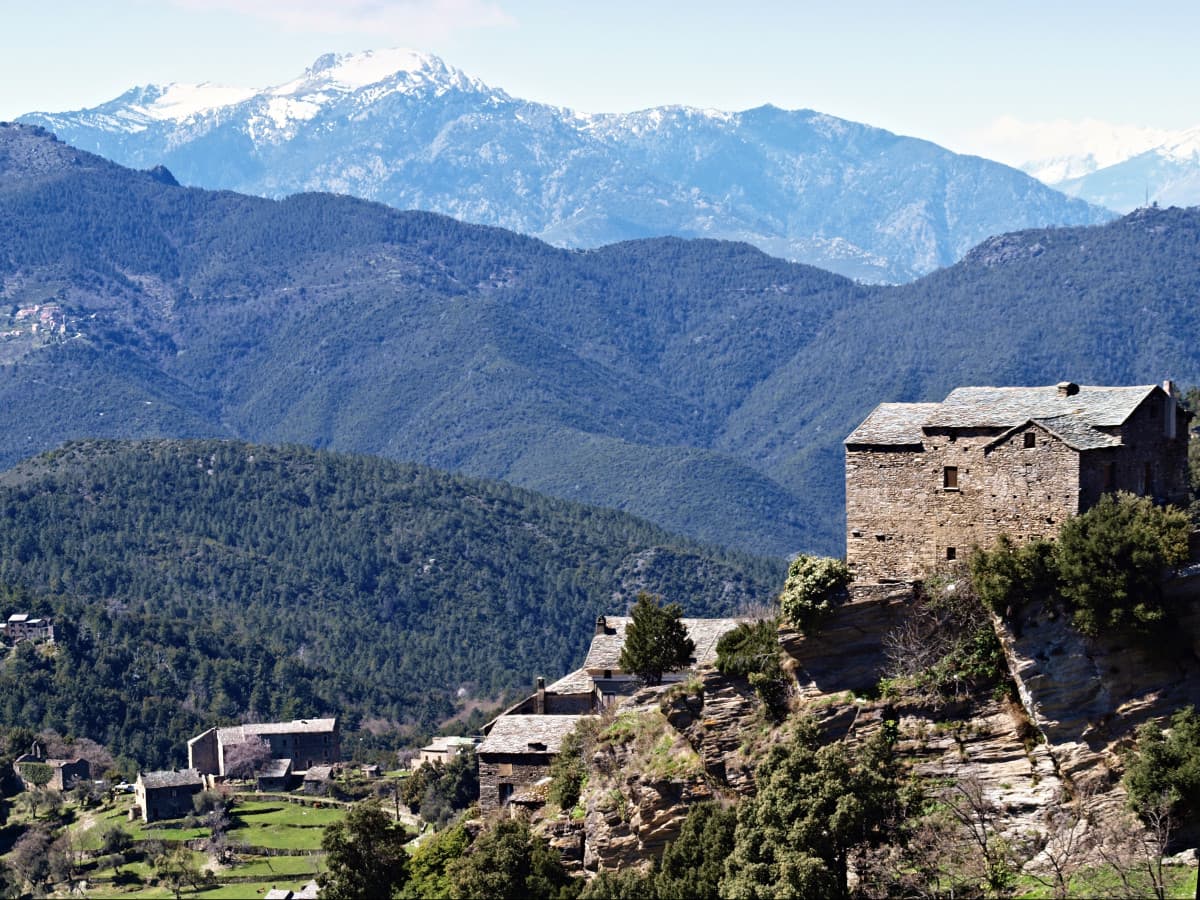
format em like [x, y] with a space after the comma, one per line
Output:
[409, 21]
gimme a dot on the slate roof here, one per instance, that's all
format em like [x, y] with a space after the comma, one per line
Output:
[275, 768]
[528, 734]
[605, 652]
[893, 424]
[1071, 430]
[577, 682]
[1072, 418]
[318, 773]
[235, 734]
[184, 778]
[1004, 407]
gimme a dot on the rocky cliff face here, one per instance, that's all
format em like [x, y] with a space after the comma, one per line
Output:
[1088, 695]
[663, 750]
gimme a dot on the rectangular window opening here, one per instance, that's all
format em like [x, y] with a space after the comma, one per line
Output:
[1030, 440]
[950, 478]
[951, 553]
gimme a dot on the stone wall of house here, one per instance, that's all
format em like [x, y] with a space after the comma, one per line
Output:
[887, 490]
[202, 753]
[1025, 492]
[167, 802]
[516, 770]
[1150, 450]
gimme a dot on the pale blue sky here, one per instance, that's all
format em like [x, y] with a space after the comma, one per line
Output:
[939, 70]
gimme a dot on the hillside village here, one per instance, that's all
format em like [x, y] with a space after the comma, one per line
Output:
[926, 484]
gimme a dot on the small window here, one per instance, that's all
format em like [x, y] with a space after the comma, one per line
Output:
[1148, 480]
[505, 768]
[608, 673]
[951, 553]
[1030, 440]
[950, 478]
[505, 794]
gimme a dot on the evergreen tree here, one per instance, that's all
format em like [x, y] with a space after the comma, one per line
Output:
[366, 857]
[815, 804]
[509, 861]
[656, 641]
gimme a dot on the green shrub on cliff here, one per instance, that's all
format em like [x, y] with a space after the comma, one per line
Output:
[753, 652]
[1112, 558]
[814, 586]
[1166, 765]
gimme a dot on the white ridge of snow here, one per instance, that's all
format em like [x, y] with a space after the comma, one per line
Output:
[1184, 146]
[179, 102]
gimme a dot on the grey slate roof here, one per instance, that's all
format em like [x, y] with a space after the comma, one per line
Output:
[577, 682]
[1004, 407]
[528, 734]
[235, 734]
[1073, 418]
[605, 652]
[184, 778]
[893, 424]
[1071, 430]
[275, 768]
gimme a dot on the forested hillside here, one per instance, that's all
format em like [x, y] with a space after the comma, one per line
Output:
[700, 384]
[196, 582]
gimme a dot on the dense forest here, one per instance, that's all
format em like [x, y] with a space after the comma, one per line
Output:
[700, 384]
[199, 582]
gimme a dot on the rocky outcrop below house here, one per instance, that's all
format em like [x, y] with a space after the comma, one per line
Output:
[665, 749]
[847, 654]
[1087, 696]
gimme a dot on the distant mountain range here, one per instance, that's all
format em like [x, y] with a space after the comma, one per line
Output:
[408, 130]
[1120, 167]
[700, 384]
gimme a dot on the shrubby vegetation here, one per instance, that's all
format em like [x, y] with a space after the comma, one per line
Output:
[752, 651]
[1107, 566]
[1165, 767]
[815, 586]
[365, 856]
[438, 791]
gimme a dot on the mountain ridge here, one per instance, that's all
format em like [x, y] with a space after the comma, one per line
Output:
[799, 184]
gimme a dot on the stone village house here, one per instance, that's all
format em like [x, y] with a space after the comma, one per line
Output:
[166, 795]
[927, 482]
[523, 741]
[303, 742]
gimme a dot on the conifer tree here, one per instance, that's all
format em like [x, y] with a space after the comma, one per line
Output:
[656, 641]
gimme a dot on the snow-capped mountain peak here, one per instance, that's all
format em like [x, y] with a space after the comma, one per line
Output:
[403, 68]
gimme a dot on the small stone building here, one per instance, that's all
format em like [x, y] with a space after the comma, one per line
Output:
[64, 773]
[24, 627]
[166, 795]
[927, 482]
[307, 742]
[517, 753]
[603, 662]
[443, 749]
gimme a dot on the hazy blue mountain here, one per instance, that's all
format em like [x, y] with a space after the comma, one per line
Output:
[700, 384]
[405, 129]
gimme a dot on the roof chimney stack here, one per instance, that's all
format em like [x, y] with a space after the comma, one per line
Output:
[1067, 389]
[601, 625]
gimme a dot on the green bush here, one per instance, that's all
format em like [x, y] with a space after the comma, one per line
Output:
[1111, 561]
[753, 652]
[814, 586]
[1166, 765]
[1009, 576]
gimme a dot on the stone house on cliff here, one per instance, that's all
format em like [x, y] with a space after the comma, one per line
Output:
[927, 482]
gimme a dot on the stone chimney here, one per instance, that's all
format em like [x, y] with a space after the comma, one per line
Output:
[601, 626]
[539, 693]
[1067, 389]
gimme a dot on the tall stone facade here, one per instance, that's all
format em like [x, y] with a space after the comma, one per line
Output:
[928, 482]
